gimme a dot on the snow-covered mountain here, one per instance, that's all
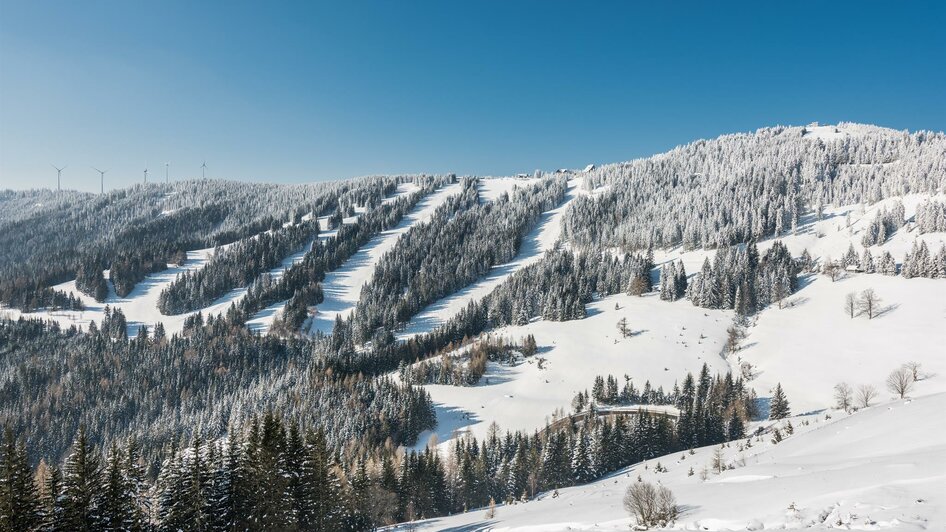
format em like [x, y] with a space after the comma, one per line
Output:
[454, 340]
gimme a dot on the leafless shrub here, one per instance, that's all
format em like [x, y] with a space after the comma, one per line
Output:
[651, 505]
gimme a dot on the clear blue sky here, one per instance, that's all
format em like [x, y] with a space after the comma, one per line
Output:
[271, 91]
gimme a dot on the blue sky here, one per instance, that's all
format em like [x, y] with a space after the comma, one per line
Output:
[282, 92]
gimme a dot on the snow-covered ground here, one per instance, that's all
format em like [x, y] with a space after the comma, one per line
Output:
[491, 188]
[883, 468]
[541, 239]
[668, 339]
[140, 306]
[813, 344]
[342, 287]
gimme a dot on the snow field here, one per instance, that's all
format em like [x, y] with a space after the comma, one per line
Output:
[669, 339]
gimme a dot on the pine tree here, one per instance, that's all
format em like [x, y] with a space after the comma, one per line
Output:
[736, 428]
[19, 502]
[779, 407]
[82, 484]
[581, 460]
[116, 512]
[54, 502]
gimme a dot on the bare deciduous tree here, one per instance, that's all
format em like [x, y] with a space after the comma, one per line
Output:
[651, 505]
[622, 327]
[719, 460]
[850, 304]
[914, 368]
[865, 395]
[900, 381]
[831, 269]
[869, 302]
[638, 286]
[843, 396]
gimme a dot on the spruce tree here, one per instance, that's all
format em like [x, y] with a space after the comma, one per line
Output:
[779, 407]
[82, 485]
[19, 502]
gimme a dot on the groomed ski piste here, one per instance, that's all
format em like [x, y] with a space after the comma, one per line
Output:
[540, 239]
[342, 287]
[140, 306]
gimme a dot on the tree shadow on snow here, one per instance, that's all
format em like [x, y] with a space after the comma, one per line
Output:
[886, 310]
[762, 405]
[482, 526]
[804, 280]
[496, 374]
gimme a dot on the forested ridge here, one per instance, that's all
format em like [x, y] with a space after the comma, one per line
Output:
[749, 186]
[461, 243]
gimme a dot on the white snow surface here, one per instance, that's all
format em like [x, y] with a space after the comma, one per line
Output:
[491, 188]
[666, 343]
[808, 346]
[882, 468]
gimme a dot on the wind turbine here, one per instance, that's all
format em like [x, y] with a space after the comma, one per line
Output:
[203, 170]
[166, 172]
[146, 176]
[102, 175]
[58, 177]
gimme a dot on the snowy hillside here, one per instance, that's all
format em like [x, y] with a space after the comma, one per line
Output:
[411, 347]
[882, 468]
[808, 346]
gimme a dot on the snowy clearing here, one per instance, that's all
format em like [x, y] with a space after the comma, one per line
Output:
[668, 340]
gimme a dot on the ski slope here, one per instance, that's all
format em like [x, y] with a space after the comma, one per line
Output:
[542, 238]
[342, 287]
[883, 468]
[263, 320]
[140, 306]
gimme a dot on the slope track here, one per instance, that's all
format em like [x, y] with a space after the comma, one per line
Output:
[342, 287]
[542, 238]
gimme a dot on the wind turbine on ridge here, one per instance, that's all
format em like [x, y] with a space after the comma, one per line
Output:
[102, 175]
[58, 177]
